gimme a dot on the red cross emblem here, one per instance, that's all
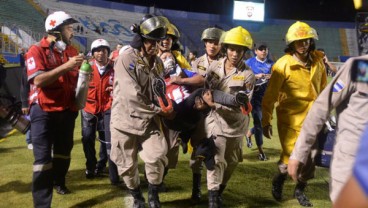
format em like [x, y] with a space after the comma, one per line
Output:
[52, 23]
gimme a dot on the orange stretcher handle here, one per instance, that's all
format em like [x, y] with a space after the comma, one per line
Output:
[246, 112]
[163, 106]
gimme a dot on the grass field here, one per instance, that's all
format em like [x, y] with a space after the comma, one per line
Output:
[250, 185]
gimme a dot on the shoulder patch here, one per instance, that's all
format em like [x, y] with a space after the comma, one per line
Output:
[131, 66]
[338, 86]
[31, 64]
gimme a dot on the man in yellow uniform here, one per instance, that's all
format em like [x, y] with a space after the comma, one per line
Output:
[229, 75]
[297, 79]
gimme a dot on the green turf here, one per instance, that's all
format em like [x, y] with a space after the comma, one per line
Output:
[250, 185]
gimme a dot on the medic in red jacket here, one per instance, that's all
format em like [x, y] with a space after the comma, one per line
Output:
[52, 69]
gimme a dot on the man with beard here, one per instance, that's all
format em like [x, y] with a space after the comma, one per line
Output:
[135, 121]
[96, 113]
[52, 68]
[297, 79]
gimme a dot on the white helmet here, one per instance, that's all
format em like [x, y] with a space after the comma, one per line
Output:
[100, 43]
[57, 19]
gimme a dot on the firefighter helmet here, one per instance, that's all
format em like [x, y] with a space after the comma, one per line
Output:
[238, 36]
[154, 27]
[173, 31]
[299, 31]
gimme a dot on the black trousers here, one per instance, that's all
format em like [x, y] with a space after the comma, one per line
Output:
[52, 138]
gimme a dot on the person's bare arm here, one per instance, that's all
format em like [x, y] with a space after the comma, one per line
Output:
[51, 76]
[196, 80]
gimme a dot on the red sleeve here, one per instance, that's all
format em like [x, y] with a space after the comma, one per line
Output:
[34, 63]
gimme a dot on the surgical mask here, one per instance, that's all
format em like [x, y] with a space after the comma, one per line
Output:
[169, 65]
[60, 45]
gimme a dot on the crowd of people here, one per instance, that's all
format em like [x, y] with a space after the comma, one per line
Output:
[146, 99]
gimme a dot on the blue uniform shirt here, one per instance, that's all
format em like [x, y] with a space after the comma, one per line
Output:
[360, 169]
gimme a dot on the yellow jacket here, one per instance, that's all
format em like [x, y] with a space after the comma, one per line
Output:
[182, 61]
[295, 88]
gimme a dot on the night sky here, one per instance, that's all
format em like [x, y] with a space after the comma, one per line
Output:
[322, 10]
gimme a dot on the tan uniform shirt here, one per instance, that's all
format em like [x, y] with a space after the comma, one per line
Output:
[201, 64]
[230, 122]
[132, 108]
[350, 99]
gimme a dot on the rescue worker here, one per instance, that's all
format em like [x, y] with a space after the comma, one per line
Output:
[350, 100]
[355, 191]
[297, 79]
[261, 67]
[230, 75]
[135, 122]
[114, 54]
[211, 37]
[99, 99]
[171, 42]
[52, 68]
[172, 137]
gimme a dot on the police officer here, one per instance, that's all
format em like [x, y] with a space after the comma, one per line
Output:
[211, 37]
[229, 75]
[350, 99]
[52, 67]
[297, 79]
[99, 99]
[135, 123]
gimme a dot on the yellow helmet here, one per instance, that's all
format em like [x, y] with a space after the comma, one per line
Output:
[172, 30]
[238, 36]
[300, 31]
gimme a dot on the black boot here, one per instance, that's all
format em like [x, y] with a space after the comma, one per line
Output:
[300, 195]
[213, 199]
[221, 190]
[153, 199]
[277, 186]
[138, 198]
[196, 189]
[162, 185]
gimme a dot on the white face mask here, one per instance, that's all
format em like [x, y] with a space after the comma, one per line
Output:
[60, 45]
[169, 65]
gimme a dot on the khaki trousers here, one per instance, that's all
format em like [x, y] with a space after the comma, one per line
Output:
[152, 149]
[228, 154]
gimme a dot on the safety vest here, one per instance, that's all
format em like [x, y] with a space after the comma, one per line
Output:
[98, 98]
